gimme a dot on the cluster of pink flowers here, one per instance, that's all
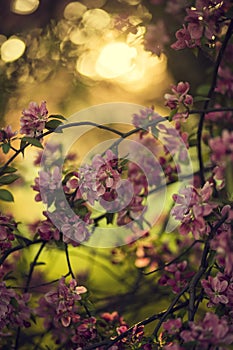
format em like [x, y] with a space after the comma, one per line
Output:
[221, 154]
[7, 227]
[176, 276]
[34, 119]
[63, 302]
[222, 242]
[219, 290]
[101, 178]
[180, 97]
[204, 22]
[191, 208]
[6, 134]
[146, 117]
[47, 185]
[211, 332]
[14, 311]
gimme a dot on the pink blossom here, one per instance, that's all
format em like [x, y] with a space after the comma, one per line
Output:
[172, 326]
[6, 133]
[46, 184]
[146, 117]
[34, 118]
[47, 230]
[14, 311]
[180, 96]
[7, 227]
[64, 300]
[212, 330]
[191, 208]
[216, 290]
[184, 40]
[156, 37]
[76, 230]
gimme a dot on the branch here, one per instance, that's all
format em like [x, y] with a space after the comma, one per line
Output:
[209, 96]
[110, 342]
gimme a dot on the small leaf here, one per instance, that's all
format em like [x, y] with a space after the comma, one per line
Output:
[53, 124]
[32, 141]
[14, 302]
[8, 179]
[9, 169]
[203, 90]
[200, 98]
[5, 148]
[33, 318]
[192, 142]
[22, 145]
[6, 196]
[172, 113]
[57, 116]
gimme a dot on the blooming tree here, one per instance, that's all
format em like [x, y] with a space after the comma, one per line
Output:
[184, 272]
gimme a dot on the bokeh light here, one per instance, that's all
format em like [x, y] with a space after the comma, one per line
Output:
[116, 59]
[24, 7]
[12, 49]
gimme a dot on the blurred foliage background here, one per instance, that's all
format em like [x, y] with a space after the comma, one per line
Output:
[43, 65]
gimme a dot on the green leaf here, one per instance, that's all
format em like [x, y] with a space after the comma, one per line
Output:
[33, 318]
[8, 179]
[172, 113]
[5, 148]
[57, 116]
[200, 98]
[14, 302]
[53, 124]
[192, 142]
[32, 141]
[22, 145]
[6, 196]
[203, 90]
[9, 169]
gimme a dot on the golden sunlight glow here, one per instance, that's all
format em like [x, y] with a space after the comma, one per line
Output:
[115, 60]
[24, 7]
[12, 49]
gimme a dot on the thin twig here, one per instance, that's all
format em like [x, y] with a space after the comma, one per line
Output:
[209, 96]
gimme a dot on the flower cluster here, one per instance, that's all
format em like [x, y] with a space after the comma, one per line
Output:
[191, 207]
[7, 227]
[179, 99]
[34, 118]
[204, 21]
[101, 178]
[14, 311]
[62, 303]
[176, 276]
[211, 332]
[221, 155]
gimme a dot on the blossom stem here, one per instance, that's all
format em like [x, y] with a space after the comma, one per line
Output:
[207, 102]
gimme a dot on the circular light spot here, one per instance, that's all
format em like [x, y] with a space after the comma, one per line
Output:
[115, 60]
[94, 3]
[24, 7]
[96, 19]
[74, 11]
[12, 49]
[79, 36]
[86, 64]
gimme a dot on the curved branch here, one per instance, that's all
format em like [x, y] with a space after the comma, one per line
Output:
[209, 96]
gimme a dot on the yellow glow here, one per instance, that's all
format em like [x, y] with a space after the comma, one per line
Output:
[12, 49]
[115, 60]
[24, 7]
